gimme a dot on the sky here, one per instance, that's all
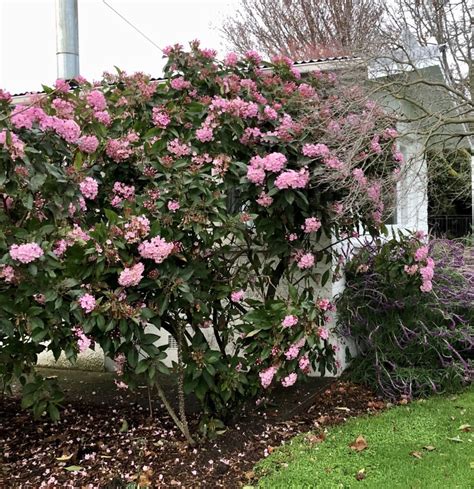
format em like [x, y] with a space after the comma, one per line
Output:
[28, 38]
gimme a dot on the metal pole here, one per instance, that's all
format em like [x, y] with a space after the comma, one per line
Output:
[67, 39]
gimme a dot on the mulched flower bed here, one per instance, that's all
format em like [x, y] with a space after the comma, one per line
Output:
[114, 444]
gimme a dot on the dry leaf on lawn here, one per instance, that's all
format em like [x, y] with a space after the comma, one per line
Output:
[359, 444]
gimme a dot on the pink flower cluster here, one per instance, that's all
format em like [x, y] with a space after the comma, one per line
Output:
[7, 273]
[421, 253]
[427, 274]
[180, 83]
[83, 341]
[179, 149]
[118, 149]
[122, 192]
[305, 261]
[323, 333]
[325, 305]
[289, 321]
[289, 380]
[173, 205]
[88, 144]
[156, 249]
[136, 229]
[236, 107]
[96, 100]
[160, 117]
[16, 148]
[26, 253]
[88, 303]
[294, 349]
[292, 179]
[311, 225]
[316, 150]
[132, 276]
[304, 364]
[237, 295]
[266, 376]
[273, 162]
[89, 188]
[264, 200]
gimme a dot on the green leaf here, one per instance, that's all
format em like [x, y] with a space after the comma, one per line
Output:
[74, 468]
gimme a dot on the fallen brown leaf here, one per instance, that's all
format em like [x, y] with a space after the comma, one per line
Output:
[465, 427]
[250, 474]
[416, 455]
[319, 438]
[359, 444]
[429, 448]
[361, 475]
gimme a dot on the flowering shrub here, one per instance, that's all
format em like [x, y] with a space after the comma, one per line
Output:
[409, 307]
[131, 205]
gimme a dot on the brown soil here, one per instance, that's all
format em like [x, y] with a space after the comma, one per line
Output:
[110, 441]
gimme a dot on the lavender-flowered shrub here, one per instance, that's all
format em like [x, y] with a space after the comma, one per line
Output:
[409, 306]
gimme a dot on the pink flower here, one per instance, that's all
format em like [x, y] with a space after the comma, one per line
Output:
[26, 253]
[173, 205]
[7, 272]
[103, 117]
[304, 364]
[410, 270]
[323, 333]
[315, 150]
[264, 200]
[426, 286]
[306, 261]
[83, 341]
[266, 376]
[289, 321]
[289, 380]
[421, 253]
[16, 148]
[160, 117]
[256, 175]
[62, 86]
[89, 188]
[77, 234]
[375, 145]
[374, 192]
[231, 59]
[205, 134]
[253, 56]
[60, 247]
[292, 237]
[324, 304]
[292, 179]
[294, 349]
[359, 176]
[131, 276]
[87, 302]
[311, 225]
[306, 90]
[178, 148]
[96, 100]
[67, 129]
[118, 149]
[88, 144]
[180, 83]
[237, 295]
[274, 162]
[156, 249]
[120, 384]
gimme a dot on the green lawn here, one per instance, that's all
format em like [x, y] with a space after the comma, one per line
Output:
[388, 461]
